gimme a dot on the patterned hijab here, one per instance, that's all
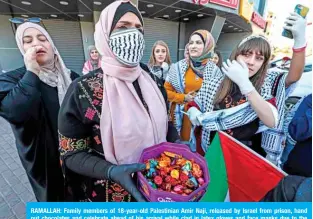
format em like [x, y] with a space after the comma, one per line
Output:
[198, 63]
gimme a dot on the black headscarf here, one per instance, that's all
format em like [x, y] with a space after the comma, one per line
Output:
[123, 9]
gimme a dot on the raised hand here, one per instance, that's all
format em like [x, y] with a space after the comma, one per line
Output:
[238, 72]
[297, 28]
[30, 59]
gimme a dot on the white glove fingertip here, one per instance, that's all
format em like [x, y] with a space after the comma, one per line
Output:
[293, 14]
[291, 23]
[296, 14]
[288, 28]
[242, 63]
[224, 70]
[225, 65]
[229, 62]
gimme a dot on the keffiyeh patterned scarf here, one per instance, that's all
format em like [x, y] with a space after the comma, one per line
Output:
[159, 72]
[176, 77]
[272, 138]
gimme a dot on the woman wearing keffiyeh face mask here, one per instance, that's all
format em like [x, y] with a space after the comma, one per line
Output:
[30, 100]
[185, 78]
[111, 115]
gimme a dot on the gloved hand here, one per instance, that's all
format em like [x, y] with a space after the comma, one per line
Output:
[121, 174]
[238, 72]
[271, 159]
[193, 112]
[297, 28]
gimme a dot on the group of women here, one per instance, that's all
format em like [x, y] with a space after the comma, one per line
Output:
[104, 119]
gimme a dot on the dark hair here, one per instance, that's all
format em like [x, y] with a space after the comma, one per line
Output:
[257, 80]
[220, 58]
[196, 33]
[123, 9]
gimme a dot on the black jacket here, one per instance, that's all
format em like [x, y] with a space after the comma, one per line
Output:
[31, 107]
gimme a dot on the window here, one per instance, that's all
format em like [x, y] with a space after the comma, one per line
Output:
[259, 6]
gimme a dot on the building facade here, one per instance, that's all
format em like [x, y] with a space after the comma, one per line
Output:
[71, 25]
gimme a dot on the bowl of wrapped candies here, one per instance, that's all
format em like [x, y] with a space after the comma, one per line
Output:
[173, 174]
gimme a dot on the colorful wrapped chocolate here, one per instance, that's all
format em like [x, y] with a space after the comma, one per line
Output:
[173, 173]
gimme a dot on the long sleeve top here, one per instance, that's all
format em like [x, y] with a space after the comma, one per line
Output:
[31, 107]
[80, 141]
[300, 129]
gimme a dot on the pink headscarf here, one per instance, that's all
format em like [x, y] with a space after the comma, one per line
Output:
[125, 125]
[54, 73]
[89, 64]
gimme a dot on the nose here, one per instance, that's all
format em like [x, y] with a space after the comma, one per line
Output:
[250, 60]
[35, 42]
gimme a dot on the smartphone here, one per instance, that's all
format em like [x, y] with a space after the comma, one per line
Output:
[302, 11]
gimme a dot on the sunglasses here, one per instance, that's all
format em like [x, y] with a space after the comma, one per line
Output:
[17, 20]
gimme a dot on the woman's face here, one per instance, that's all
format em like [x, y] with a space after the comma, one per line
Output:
[254, 60]
[127, 21]
[196, 46]
[33, 37]
[215, 58]
[94, 54]
[160, 54]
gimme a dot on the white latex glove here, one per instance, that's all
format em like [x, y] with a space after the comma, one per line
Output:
[270, 159]
[30, 59]
[238, 72]
[297, 28]
[193, 113]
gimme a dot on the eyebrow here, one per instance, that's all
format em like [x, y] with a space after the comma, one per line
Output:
[38, 35]
[196, 41]
[257, 53]
[129, 23]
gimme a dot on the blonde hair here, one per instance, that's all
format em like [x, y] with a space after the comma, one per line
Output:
[152, 60]
[258, 43]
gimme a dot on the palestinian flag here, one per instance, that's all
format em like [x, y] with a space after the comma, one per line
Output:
[237, 173]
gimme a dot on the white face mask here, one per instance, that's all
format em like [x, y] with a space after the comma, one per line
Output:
[128, 46]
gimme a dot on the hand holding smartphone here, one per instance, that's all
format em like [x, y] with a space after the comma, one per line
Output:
[302, 11]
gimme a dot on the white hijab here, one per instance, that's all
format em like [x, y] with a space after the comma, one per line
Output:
[55, 73]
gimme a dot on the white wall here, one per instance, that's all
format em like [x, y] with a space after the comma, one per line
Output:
[10, 56]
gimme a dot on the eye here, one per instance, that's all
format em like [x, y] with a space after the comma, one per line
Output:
[27, 41]
[42, 38]
[123, 27]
